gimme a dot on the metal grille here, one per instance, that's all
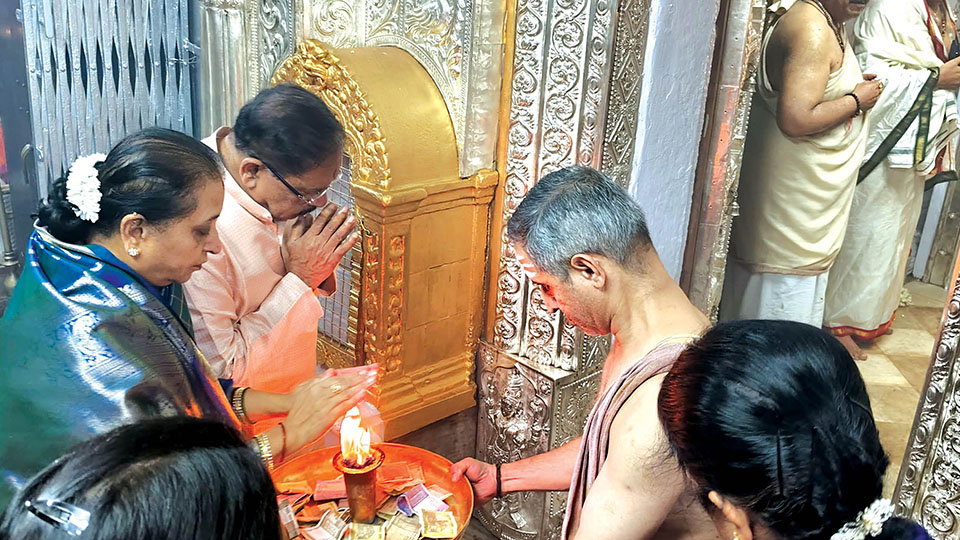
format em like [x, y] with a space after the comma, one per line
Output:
[335, 322]
[101, 69]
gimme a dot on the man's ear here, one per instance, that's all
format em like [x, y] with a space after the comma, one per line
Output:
[250, 169]
[731, 520]
[588, 267]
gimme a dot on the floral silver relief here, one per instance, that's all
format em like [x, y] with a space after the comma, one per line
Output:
[335, 22]
[573, 91]
[927, 489]
[522, 166]
[276, 36]
[560, 92]
[620, 129]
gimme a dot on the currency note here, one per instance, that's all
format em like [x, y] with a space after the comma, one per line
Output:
[332, 524]
[316, 533]
[438, 524]
[362, 531]
[389, 508]
[400, 488]
[288, 520]
[300, 486]
[417, 499]
[392, 472]
[314, 512]
[330, 490]
[402, 528]
[416, 472]
[439, 492]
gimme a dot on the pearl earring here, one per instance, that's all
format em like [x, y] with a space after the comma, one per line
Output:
[736, 535]
[133, 252]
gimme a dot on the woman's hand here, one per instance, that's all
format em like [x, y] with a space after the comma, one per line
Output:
[317, 404]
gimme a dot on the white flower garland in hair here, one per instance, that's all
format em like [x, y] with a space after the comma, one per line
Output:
[83, 186]
[868, 523]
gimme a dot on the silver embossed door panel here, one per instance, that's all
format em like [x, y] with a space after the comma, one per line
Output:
[100, 69]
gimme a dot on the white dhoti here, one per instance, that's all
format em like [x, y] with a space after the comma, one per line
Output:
[868, 274]
[893, 40]
[765, 295]
[794, 198]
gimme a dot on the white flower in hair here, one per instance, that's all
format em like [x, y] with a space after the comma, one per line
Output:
[83, 186]
[868, 523]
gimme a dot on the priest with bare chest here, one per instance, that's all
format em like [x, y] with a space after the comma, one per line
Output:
[585, 243]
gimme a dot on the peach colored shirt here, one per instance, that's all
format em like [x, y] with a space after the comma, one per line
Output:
[255, 323]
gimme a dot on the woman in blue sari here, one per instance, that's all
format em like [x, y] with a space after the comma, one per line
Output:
[98, 334]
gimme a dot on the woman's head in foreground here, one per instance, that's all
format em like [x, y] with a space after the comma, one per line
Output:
[170, 478]
[772, 421]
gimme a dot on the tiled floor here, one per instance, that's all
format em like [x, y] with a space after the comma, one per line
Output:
[896, 367]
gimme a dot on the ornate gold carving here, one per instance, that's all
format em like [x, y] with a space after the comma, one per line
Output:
[381, 329]
[414, 211]
[333, 355]
[316, 68]
[394, 295]
[457, 43]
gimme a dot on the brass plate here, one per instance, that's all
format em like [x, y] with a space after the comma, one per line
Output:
[318, 465]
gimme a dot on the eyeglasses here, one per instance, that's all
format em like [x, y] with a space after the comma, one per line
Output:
[308, 200]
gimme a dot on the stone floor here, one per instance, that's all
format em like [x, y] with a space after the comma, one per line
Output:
[896, 367]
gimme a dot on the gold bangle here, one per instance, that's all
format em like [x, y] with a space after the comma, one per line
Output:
[237, 402]
[266, 453]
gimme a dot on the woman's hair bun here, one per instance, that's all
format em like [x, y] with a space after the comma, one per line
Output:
[60, 217]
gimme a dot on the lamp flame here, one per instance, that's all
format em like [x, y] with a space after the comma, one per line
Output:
[355, 441]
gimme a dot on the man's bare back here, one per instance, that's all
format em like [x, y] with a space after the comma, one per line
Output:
[640, 477]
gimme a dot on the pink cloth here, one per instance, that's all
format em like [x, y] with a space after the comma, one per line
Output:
[255, 323]
[596, 432]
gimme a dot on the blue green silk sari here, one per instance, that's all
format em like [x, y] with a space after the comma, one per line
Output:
[86, 345]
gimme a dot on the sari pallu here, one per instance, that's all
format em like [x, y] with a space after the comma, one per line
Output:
[85, 346]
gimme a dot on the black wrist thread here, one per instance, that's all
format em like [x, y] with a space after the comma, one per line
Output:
[499, 483]
[859, 109]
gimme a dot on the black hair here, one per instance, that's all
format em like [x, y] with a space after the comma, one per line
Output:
[154, 172]
[159, 479]
[577, 210]
[289, 128]
[775, 417]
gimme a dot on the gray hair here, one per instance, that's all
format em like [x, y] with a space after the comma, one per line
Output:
[577, 210]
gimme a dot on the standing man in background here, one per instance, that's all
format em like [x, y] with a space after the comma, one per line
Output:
[804, 145]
